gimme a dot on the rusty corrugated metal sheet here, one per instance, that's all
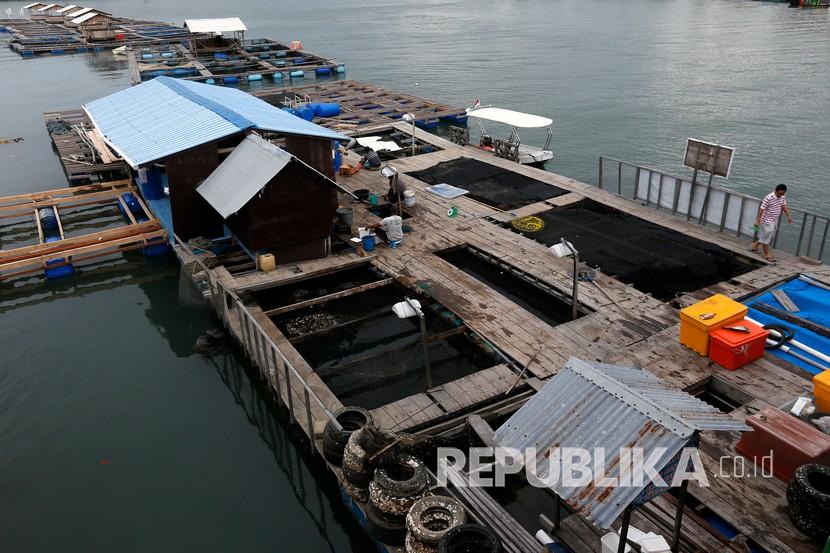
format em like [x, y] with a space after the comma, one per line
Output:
[616, 408]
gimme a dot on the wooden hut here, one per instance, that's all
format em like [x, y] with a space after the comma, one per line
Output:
[38, 11]
[53, 15]
[202, 125]
[59, 16]
[273, 202]
[95, 26]
[70, 16]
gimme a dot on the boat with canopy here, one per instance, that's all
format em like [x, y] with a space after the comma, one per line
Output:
[512, 147]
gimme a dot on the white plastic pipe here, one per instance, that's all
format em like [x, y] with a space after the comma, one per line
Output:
[795, 343]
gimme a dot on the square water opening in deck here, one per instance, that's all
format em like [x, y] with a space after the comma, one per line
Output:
[369, 357]
[393, 144]
[719, 393]
[489, 184]
[307, 289]
[652, 258]
[516, 285]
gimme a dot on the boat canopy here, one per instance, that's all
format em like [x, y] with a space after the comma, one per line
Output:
[510, 117]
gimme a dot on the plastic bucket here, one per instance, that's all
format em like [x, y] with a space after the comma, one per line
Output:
[362, 193]
[368, 242]
[346, 214]
[409, 198]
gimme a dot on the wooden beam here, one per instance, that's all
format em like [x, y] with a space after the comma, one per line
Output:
[77, 251]
[39, 226]
[70, 191]
[26, 252]
[328, 297]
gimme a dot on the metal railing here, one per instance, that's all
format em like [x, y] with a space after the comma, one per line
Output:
[721, 209]
[274, 366]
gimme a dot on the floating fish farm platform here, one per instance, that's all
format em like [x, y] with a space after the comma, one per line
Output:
[499, 325]
[84, 156]
[33, 38]
[231, 62]
[48, 232]
[363, 106]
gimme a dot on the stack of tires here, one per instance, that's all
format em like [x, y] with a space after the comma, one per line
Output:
[396, 486]
[470, 538]
[351, 419]
[808, 500]
[429, 520]
[357, 466]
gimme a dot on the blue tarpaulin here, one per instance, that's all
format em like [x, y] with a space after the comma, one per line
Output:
[814, 305]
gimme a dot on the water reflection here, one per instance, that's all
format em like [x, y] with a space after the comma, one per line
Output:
[291, 452]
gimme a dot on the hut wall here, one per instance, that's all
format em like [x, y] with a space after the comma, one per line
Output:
[192, 215]
[291, 217]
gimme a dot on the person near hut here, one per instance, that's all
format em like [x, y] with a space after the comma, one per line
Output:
[396, 189]
[371, 160]
[390, 229]
[767, 219]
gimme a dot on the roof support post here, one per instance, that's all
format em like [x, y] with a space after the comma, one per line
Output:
[678, 516]
[626, 522]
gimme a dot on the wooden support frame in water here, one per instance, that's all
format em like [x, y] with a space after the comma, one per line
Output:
[28, 259]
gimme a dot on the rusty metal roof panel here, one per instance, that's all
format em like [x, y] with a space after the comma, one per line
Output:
[592, 406]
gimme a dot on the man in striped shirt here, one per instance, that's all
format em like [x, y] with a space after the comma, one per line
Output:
[766, 221]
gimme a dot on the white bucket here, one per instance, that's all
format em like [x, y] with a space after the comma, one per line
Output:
[409, 198]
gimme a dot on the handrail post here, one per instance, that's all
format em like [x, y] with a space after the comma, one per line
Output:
[823, 239]
[600, 173]
[801, 234]
[309, 420]
[619, 179]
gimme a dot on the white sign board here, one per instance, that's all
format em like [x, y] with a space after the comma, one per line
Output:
[708, 157]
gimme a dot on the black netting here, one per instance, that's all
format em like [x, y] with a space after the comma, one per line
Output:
[650, 257]
[488, 184]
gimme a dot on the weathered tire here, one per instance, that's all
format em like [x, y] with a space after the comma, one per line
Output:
[355, 492]
[351, 419]
[810, 521]
[385, 531]
[470, 538]
[333, 453]
[430, 518]
[808, 500]
[392, 508]
[411, 545]
[810, 486]
[334, 441]
[405, 476]
[354, 464]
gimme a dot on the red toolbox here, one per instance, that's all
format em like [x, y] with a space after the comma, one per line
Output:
[732, 349]
[792, 442]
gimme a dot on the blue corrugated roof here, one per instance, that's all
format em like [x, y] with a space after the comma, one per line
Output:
[164, 116]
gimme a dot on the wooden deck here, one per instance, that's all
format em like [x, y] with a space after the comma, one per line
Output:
[625, 326]
[261, 60]
[363, 105]
[82, 153]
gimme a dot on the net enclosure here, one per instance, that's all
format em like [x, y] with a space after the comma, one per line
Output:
[652, 258]
[489, 184]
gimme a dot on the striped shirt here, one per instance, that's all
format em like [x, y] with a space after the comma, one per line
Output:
[772, 205]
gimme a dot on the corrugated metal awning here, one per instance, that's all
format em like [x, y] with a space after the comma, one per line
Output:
[47, 7]
[594, 405]
[215, 25]
[243, 174]
[67, 8]
[80, 12]
[165, 116]
[86, 17]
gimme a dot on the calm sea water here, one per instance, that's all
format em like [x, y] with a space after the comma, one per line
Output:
[116, 437]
